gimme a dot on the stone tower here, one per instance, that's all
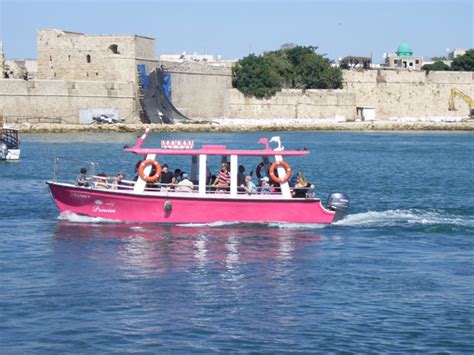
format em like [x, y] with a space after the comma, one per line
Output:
[66, 55]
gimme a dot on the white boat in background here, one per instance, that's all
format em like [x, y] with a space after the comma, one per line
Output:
[9, 143]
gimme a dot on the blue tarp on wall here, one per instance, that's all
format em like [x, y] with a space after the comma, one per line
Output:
[142, 74]
[156, 99]
[167, 85]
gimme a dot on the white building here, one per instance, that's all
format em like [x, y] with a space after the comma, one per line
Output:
[403, 58]
[457, 52]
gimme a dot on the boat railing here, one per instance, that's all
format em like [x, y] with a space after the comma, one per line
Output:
[112, 183]
[70, 167]
[109, 183]
[210, 189]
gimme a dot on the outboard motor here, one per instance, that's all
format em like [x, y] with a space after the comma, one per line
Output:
[338, 202]
[3, 150]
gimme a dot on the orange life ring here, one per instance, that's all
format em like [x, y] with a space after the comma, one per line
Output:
[258, 170]
[144, 164]
[274, 176]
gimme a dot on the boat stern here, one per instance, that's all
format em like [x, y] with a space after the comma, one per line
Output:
[13, 154]
[339, 203]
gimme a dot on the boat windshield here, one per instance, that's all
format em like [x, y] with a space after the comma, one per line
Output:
[10, 137]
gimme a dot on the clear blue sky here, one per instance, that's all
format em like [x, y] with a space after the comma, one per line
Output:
[234, 28]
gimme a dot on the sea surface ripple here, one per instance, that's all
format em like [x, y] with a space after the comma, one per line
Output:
[394, 276]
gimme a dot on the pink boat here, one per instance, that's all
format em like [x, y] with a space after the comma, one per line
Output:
[146, 200]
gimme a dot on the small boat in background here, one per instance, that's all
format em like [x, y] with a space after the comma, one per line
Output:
[9, 142]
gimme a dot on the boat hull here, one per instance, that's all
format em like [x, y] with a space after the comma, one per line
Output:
[13, 154]
[185, 208]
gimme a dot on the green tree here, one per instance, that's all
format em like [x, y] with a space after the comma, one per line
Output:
[254, 76]
[300, 58]
[290, 67]
[436, 66]
[279, 62]
[464, 62]
[315, 72]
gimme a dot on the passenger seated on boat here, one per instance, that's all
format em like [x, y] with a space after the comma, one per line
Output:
[249, 187]
[264, 185]
[177, 176]
[292, 181]
[274, 187]
[185, 185]
[101, 181]
[136, 170]
[209, 177]
[222, 181]
[241, 178]
[302, 187]
[82, 178]
[212, 180]
[166, 177]
[118, 184]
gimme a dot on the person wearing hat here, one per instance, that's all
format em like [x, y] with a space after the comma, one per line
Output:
[264, 185]
[185, 185]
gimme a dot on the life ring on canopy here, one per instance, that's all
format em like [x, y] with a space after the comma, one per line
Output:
[258, 170]
[273, 169]
[154, 164]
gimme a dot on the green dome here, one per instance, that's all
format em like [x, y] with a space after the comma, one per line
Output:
[404, 50]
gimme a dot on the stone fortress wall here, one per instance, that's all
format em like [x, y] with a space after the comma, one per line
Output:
[392, 93]
[199, 90]
[77, 71]
[292, 103]
[60, 101]
[402, 93]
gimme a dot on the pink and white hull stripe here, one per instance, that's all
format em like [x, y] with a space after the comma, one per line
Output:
[125, 206]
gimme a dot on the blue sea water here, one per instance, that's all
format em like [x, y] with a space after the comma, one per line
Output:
[394, 276]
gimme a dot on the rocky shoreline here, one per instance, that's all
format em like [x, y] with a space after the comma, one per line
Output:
[467, 125]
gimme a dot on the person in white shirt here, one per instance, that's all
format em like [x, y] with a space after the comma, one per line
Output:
[185, 185]
[249, 186]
